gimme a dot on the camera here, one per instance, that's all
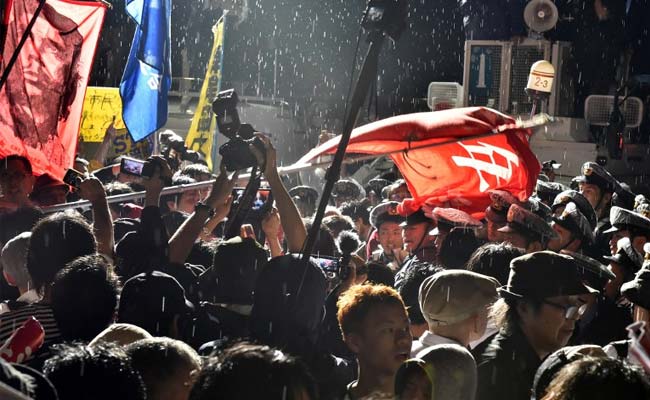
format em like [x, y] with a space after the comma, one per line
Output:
[236, 152]
[169, 141]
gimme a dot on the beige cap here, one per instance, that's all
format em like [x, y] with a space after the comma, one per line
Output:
[451, 296]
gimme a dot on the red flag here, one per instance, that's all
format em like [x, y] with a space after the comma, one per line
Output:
[40, 104]
[460, 170]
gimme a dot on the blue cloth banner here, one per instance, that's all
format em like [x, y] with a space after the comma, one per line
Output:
[147, 76]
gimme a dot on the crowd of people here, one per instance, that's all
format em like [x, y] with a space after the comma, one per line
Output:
[150, 298]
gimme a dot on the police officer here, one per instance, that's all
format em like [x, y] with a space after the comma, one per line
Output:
[305, 198]
[527, 230]
[629, 224]
[386, 220]
[448, 219]
[637, 292]
[346, 190]
[496, 214]
[624, 264]
[603, 319]
[547, 191]
[598, 186]
[417, 241]
[573, 230]
[571, 196]
[549, 167]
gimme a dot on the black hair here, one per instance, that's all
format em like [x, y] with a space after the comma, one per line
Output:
[409, 288]
[252, 372]
[178, 179]
[599, 378]
[84, 297]
[195, 171]
[380, 274]
[102, 371]
[493, 259]
[357, 209]
[16, 157]
[160, 360]
[325, 244]
[337, 224]
[457, 248]
[56, 240]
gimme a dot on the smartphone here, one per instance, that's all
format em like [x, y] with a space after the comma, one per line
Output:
[329, 265]
[131, 166]
[73, 178]
[246, 231]
[259, 201]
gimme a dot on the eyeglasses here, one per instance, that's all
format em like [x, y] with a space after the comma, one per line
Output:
[570, 311]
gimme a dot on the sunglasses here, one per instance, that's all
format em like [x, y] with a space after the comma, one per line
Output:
[570, 311]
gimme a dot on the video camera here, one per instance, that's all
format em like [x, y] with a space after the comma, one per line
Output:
[236, 152]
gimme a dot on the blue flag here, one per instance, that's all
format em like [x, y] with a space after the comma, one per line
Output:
[147, 76]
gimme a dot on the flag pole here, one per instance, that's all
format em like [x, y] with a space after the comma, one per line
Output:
[23, 39]
[538, 121]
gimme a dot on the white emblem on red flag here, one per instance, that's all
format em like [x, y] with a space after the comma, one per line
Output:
[489, 166]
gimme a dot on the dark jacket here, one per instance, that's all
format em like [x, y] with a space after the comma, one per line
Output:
[506, 367]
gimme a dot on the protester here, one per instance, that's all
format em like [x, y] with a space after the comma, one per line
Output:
[14, 269]
[376, 329]
[536, 315]
[455, 305]
[16, 183]
[252, 372]
[409, 290]
[598, 378]
[444, 371]
[84, 298]
[493, 259]
[168, 367]
[100, 372]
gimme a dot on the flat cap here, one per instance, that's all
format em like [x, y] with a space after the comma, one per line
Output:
[580, 201]
[621, 219]
[526, 222]
[451, 296]
[348, 189]
[544, 274]
[385, 212]
[377, 185]
[500, 201]
[306, 193]
[450, 218]
[593, 173]
[574, 221]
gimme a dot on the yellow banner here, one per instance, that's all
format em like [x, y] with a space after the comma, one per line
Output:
[101, 106]
[200, 137]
